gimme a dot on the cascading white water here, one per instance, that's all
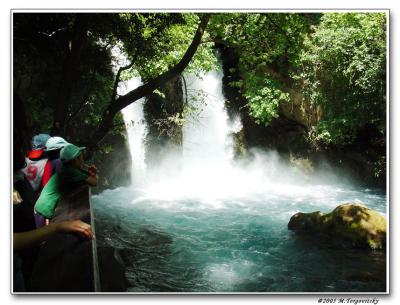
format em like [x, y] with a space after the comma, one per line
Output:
[206, 137]
[136, 128]
[217, 226]
[207, 145]
[207, 172]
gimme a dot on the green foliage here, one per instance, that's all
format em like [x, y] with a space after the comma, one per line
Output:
[42, 43]
[264, 97]
[261, 38]
[266, 44]
[343, 68]
[380, 167]
[166, 37]
[338, 59]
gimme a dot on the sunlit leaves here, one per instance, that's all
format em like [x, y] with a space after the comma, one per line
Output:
[163, 42]
[343, 68]
[264, 97]
[266, 44]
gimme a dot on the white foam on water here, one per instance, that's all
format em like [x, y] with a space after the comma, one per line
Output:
[207, 172]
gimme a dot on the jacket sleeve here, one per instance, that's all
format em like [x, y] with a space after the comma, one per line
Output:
[47, 173]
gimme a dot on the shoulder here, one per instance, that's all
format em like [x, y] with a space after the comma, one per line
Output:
[70, 173]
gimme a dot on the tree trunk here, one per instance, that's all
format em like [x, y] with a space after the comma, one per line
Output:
[113, 108]
[69, 75]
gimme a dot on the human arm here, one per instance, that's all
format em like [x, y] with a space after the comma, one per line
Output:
[32, 238]
[92, 180]
[92, 172]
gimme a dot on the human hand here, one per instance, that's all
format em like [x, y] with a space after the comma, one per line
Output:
[16, 197]
[76, 226]
[92, 170]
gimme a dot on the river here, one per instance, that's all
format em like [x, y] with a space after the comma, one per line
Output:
[218, 226]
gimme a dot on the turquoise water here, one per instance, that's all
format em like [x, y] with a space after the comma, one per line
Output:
[198, 221]
[233, 243]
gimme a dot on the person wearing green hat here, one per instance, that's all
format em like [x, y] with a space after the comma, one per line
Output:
[53, 148]
[26, 238]
[72, 174]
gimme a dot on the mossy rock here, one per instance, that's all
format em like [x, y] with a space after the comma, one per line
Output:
[354, 222]
[306, 222]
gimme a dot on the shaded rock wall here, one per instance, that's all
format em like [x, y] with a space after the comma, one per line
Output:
[164, 135]
[113, 162]
[363, 160]
[286, 134]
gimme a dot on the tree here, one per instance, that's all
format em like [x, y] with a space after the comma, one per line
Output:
[147, 88]
[343, 68]
[50, 89]
[64, 70]
[267, 45]
[63, 65]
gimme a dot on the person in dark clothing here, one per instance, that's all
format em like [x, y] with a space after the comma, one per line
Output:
[27, 239]
[24, 198]
[73, 173]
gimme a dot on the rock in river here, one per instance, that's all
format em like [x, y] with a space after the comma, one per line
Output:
[354, 222]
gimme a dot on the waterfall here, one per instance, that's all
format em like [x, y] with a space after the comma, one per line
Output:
[136, 129]
[206, 134]
[205, 171]
[207, 146]
[206, 131]
[198, 222]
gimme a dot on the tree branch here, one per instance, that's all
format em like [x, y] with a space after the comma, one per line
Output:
[147, 88]
[276, 26]
[186, 91]
[213, 40]
[117, 80]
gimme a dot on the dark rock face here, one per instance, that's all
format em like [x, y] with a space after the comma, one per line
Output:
[305, 222]
[363, 227]
[164, 135]
[283, 134]
[364, 160]
[114, 164]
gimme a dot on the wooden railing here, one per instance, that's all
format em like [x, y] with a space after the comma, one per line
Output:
[68, 262]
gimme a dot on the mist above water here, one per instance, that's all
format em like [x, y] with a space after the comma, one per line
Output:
[201, 222]
[207, 172]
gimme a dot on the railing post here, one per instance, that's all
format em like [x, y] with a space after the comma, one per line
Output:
[96, 273]
[67, 262]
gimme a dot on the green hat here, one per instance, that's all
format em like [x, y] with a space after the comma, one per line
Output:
[55, 143]
[70, 152]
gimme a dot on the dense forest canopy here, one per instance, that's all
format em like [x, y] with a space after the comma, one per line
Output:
[343, 68]
[66, 72]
